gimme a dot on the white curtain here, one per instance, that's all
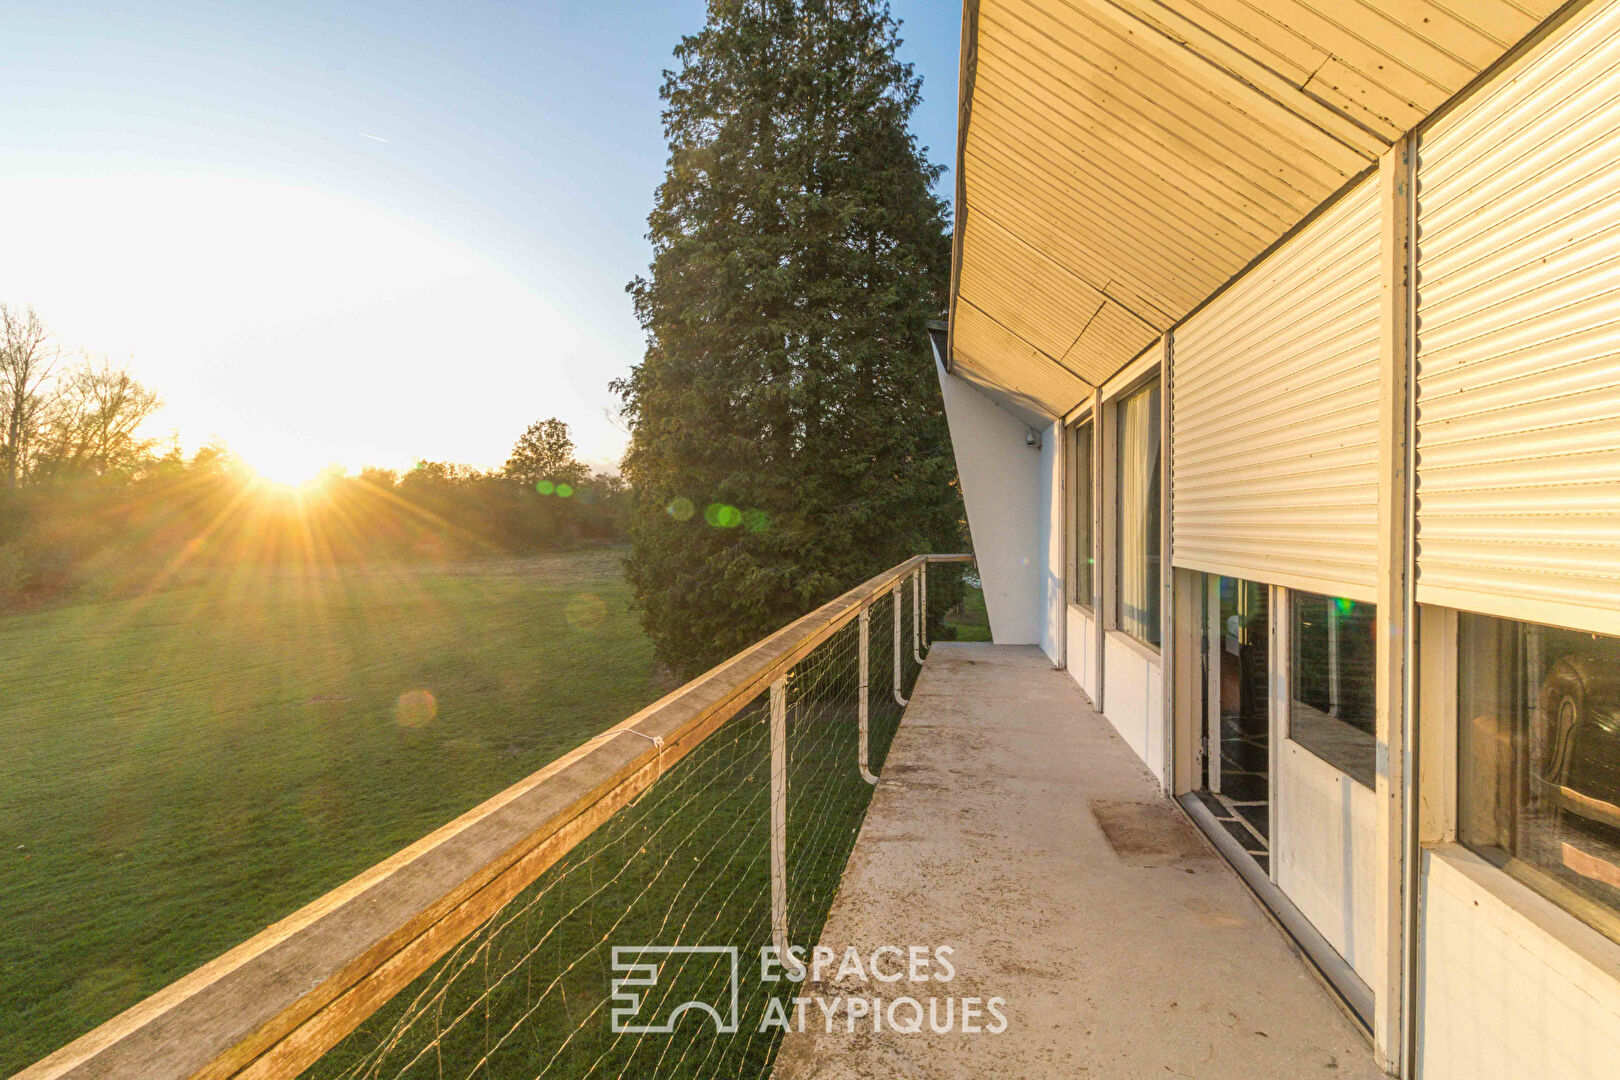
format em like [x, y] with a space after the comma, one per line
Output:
[1138, 554]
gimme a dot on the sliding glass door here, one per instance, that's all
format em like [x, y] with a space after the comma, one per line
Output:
[1235, 778]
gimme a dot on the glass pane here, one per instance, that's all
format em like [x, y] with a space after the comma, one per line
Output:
[1245, 652]
[1236, 785]
[1080, 554]
[1538, 775]
[1330, 682]
[1137, 586]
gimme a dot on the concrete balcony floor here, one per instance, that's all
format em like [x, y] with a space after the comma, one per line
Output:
[1015, 826]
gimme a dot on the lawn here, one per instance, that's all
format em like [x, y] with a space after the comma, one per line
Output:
[687, 864]
[969, 619]
[178, 771]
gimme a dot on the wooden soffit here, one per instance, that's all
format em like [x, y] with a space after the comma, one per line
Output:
[1120, 160]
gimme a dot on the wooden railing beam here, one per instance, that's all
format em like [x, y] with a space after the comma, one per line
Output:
[269, 1008]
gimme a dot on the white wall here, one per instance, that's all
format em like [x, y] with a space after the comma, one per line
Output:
[1016, 505]
[1133, 698]
[1510, 987]
[1082, 649]
[1050, 540]
[1326, 850]
[1000, 476]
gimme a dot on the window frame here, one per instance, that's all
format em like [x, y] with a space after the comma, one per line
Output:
[1077, 514]
[1283, 612]
[1151, 364]
[1137, 381]
[1439, 752]
[1590, 912]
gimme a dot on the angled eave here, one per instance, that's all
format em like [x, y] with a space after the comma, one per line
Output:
[1117, 162]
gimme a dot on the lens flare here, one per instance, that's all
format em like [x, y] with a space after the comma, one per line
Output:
[564, 490]
[585, 611]
[722, 516]
[545, 487]
[681, 508]
[416, 708]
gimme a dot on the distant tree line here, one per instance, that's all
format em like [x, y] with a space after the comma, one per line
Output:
[64, 419]
[87, 503]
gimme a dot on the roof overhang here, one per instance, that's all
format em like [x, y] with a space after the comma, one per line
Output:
[1118, 161]
[1031, 413]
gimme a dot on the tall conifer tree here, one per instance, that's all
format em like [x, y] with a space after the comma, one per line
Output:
[788, 439]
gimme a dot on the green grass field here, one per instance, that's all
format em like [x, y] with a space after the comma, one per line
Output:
[969, 620]
[180, 770]
[529, 994]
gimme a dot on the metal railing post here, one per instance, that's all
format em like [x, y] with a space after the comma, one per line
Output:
[916, 616]
[779, 913]
[866, 771]
[899, 587]
[924, 627]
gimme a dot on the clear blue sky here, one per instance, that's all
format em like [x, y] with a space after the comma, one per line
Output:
[355, 232]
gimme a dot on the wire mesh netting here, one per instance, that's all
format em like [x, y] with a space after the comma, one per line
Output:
[673, 893]
[948, 587]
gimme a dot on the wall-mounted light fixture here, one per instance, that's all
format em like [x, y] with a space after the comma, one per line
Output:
[1032, 438]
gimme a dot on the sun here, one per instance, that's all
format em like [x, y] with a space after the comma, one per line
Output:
[291, 471]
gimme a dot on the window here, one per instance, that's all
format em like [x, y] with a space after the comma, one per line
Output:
[1538, 771]
[1331, 678]
[1080, 555]
[1237, 739]
[1136, 592]
[1244, 660]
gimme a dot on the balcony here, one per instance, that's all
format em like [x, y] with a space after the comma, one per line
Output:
[1015, 825]
[650, 903]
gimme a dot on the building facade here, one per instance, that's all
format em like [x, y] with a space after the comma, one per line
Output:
[1283, 373]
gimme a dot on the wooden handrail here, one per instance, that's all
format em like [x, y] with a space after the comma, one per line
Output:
[270, 1007]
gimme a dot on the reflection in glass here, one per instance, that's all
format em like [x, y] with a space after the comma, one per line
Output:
[1331, 682]
[1137, 587]
[1538, 774]
[1245, 688]
[1236, 784]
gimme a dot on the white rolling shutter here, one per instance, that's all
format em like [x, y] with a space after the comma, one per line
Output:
[1274, 422]
[1518, 376]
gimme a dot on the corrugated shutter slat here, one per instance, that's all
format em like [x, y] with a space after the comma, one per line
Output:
[1274, 398]
[1518, 358]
